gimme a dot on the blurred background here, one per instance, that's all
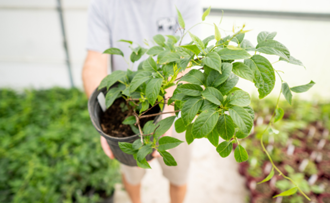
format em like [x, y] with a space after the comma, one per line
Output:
[31, 42]
[34, 151]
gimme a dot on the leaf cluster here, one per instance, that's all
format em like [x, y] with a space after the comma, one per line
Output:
[47, 149]
[210, 103]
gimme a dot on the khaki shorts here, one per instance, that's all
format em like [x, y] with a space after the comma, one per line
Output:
[177, 175]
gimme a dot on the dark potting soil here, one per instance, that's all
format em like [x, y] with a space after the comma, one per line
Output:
[112, 118]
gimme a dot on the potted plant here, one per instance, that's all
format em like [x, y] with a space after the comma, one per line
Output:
[211, 105]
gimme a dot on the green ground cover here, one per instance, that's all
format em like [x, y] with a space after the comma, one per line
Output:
[49, 150]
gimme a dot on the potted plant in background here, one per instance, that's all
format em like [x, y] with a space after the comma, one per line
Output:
[211, 105]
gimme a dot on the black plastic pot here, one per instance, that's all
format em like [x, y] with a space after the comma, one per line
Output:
[95, 112]
[109, 199]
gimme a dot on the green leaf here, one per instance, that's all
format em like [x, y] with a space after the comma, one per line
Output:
[194, 76]
[213, 61]
[206, 13]
[225, 127]
[270, 175]
[207, 40]
[143, 163]
[192, 48]
[247, 45]
[114, 51]
[180, 127]
[112, 96]
[135, 57]
[183, 63]
[190, 89]
[287, 92]
[144, 106]
[168, 158]
[279, 113]
[155, 50]
[250, 111]
[214, 137]
[243, 71]
[152, 90]
[112, 78]
[149, 127]
[139, 79]
[241, 118]
[217, 34]
[167, 57]
[180, 19]
[127, 147]
[135, 129]
[136, 49]
[239, 38]
[292, 60]
[214, 79]
[127, 41]
[205, 123]
[240, 154]
[173, 38]
[229, 84]
[303, 88]
[288, 192]
[168, 142]
[160, 40]
[190, 109]
[163, 126]
[137, 144]
[143, 152]
[189, 136]
[241, 135]
[273, 47]
[197, 41]
[130, 120]
[229, 54]
[225, 148]
[239, 98]
[213, 95]
[264, 74]
[149, 64]
[263, 36]
[209, 105]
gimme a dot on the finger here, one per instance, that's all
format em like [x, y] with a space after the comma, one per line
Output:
[106, 148]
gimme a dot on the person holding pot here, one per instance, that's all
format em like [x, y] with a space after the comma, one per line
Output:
[137, 20]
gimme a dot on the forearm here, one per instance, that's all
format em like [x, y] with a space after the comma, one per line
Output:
[94, 70]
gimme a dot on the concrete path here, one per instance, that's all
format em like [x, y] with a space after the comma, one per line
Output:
[212, 179]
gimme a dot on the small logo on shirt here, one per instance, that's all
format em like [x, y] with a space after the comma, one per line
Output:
[166, 24]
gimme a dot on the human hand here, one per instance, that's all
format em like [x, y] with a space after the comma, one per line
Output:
[106, 148]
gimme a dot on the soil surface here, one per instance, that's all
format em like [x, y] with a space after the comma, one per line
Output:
[112, 118]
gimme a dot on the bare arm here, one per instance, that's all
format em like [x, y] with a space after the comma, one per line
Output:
[95, 69]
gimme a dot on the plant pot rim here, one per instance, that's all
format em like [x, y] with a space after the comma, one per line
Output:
[91, 108]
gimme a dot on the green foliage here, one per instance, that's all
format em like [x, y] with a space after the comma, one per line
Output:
[167, 142]
[270, 175]
[49, 149]
[211, 105]
[225, 148]
[206, 13]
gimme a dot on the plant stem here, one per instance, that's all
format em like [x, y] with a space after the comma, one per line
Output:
[156, 114]
[139, 126]
[270, 159]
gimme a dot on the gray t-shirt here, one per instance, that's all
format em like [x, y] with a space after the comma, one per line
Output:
[136, 20]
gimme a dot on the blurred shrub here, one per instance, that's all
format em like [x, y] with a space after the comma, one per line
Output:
[49, 150]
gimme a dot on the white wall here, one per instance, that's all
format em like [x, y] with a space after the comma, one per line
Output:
[32, 55]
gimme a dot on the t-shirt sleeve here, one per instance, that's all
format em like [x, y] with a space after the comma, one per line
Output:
[98, 32]
[191, 11]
